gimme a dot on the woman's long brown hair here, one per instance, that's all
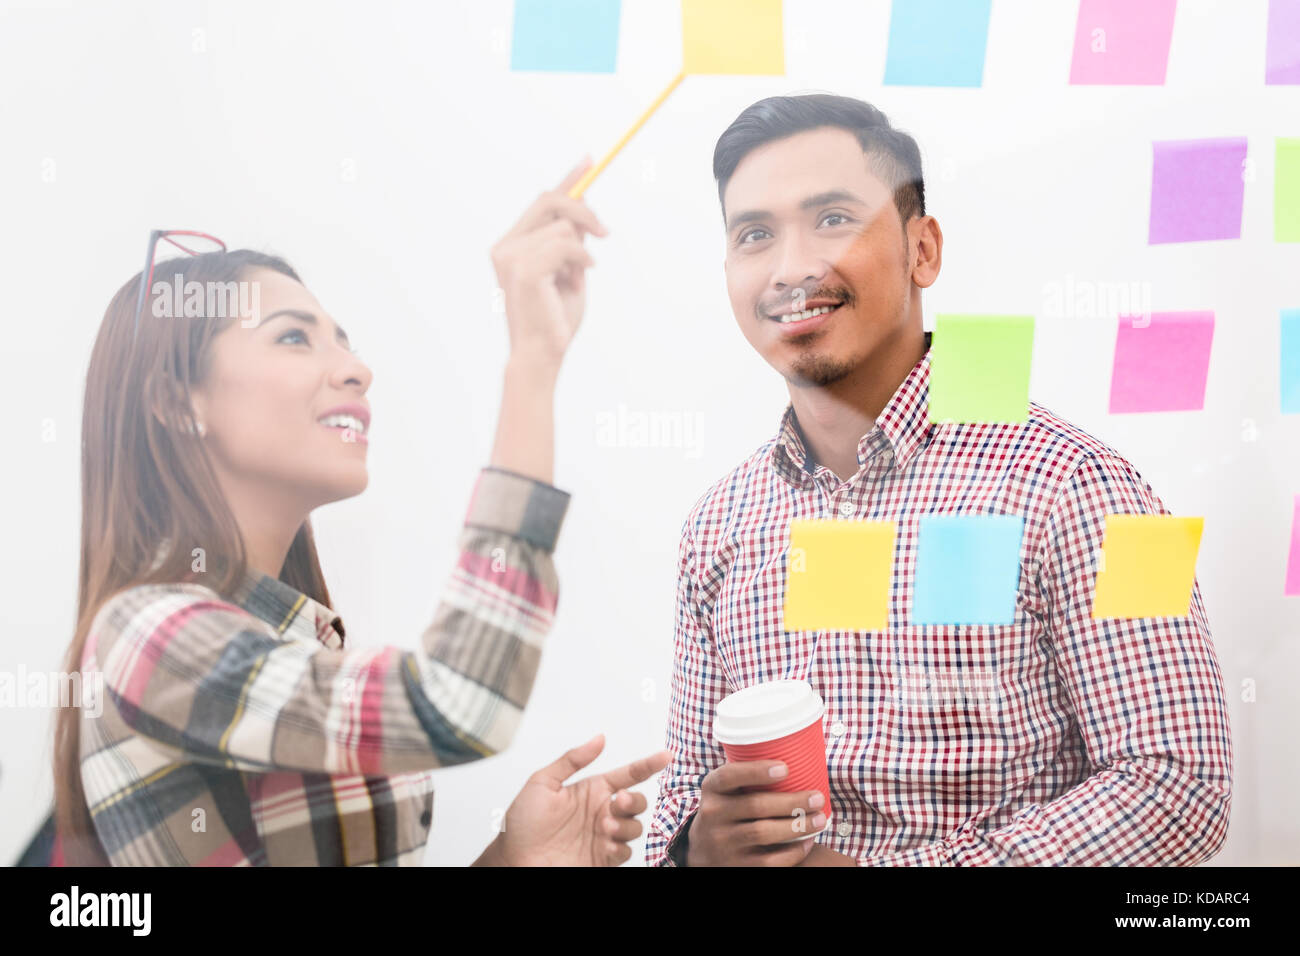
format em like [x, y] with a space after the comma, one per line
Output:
[148, 487]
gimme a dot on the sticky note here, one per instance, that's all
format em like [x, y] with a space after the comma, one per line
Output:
[967, 569]
[1290, 352]
[1161, 362]
[570, 36]
[979, 368]
[1293, 561]
[1147, 566]
[1286, 191]
[937, 42]
[733, 36]
[1282, 51]
[1122, 42]
[1197, 189]
[838, 575]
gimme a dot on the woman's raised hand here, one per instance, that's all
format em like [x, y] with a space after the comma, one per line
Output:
[541, 267]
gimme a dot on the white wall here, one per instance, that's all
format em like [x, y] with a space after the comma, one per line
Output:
[1031, 180]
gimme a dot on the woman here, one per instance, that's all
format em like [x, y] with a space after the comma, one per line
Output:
[226, 717]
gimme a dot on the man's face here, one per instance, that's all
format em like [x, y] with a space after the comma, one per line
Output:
[809, 225]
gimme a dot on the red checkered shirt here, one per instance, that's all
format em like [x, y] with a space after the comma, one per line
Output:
[238, 731]
[1094, 742]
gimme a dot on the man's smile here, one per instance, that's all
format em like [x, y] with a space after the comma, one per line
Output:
[797, 323]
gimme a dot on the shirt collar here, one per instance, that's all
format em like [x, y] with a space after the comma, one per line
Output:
[288, 610]
[901, 427]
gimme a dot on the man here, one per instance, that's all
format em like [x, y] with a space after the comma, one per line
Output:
[1096, 742]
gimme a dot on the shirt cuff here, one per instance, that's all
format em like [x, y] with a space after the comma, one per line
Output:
[675, 852]
[517, 505]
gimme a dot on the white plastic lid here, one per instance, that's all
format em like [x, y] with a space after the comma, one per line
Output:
[766, 711]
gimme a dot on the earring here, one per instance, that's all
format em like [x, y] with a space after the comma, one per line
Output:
[202, 430]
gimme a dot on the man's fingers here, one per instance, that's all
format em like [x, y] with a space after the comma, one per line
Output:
[772, 804]
[771, 832]
[633, 773]
[732, 777]
[787, 855]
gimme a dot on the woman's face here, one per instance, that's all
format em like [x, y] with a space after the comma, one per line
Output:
[283, 402]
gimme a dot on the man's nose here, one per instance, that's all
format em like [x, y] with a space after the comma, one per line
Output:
[797, 262]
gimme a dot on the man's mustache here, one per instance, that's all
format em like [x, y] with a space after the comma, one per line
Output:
[836, 296]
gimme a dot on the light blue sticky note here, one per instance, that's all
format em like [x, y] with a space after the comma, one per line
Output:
[568, 36]
[1290, 350]
[967, 569]
[937, 42]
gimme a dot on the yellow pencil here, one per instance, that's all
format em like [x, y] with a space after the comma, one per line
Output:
[581, 185]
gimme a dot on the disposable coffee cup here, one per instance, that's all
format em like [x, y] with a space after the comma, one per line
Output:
[778, 720]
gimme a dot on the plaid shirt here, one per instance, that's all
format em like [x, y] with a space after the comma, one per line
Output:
[242, 732]
[1100, 742]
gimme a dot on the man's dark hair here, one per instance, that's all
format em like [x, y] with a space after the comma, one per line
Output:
[891, 153]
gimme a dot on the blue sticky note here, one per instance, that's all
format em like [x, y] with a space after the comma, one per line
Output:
[569, 36]
[967, 569]
[1290, 361]
[937, 42]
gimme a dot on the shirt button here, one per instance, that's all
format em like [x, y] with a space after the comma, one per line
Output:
[844, 829]
[426, 818]
[846, 509]
[837, 729]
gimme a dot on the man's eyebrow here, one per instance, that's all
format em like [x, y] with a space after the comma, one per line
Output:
[307, 317]
[820, 199]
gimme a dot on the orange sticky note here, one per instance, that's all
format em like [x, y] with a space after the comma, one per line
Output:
[1147, 567]
[838, 575]
[733, 36]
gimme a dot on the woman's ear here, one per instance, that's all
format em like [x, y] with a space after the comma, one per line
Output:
[167, 404]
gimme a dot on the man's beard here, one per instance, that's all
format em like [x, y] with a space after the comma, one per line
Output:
[817, 371]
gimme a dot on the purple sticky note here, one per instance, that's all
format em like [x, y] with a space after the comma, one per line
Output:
[1197, 189]
[1161, 362]
[1122, 42]
[1293, 562]
[1282, 56]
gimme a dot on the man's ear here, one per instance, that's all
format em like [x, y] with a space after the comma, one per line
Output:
[928, 240]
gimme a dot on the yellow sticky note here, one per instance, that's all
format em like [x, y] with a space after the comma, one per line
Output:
[733, 36]
[838, 575]
[1147, 567]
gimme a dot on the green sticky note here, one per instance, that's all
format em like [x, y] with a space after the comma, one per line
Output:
[979, 368]
[1286, 191]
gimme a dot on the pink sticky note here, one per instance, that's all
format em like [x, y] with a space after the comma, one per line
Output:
[1197, 189]
[1161, 362]
[1282, 55]
[1293, 562]
[1122, 42]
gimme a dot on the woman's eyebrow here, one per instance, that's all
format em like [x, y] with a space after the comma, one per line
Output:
[307, 317]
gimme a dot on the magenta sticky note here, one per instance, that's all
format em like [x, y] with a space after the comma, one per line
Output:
[1161, 362]
[1122, 42]
[1282, 52]
[1293, 562]
[1197, 189]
